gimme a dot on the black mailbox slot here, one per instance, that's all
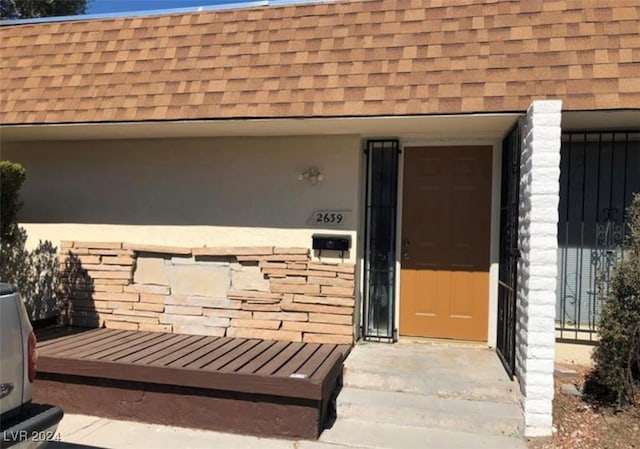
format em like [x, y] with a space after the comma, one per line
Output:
[331, 242]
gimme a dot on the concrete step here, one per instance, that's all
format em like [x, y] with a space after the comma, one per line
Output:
[380, 435]
[496, 418]
[440, 383]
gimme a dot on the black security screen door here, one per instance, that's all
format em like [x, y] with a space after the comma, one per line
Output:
[380, 240]
[509, 253]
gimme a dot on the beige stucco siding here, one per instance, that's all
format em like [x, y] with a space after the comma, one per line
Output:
[187, 192]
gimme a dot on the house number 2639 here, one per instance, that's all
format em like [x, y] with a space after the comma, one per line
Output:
[328, 218]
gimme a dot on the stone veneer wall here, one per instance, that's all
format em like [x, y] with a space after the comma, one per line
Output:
[250, 292]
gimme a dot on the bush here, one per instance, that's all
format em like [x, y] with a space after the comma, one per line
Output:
[33, 272]
[12, 176]
[617, 356]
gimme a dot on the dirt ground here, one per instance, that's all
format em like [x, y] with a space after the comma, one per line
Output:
[581, 425]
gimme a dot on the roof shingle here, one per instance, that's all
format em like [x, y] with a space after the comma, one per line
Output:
[348, 58]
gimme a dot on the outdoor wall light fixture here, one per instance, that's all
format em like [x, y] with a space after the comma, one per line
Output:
[312, 175]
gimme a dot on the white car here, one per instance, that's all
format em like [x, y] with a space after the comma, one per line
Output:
[23, 424]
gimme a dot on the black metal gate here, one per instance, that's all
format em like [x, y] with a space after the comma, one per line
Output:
[509, 253]
[599, 173]
[380, 240]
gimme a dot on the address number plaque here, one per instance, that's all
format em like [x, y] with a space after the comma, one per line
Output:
[329, 218]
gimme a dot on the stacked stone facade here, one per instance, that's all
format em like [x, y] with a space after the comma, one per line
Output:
[249, 292]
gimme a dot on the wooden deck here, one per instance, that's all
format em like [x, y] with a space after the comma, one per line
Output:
[270, 372]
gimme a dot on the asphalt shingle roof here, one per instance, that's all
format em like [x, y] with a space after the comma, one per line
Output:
[348, 58]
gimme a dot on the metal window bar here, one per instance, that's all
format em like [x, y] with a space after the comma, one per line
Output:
[599, 173]
[380, 240]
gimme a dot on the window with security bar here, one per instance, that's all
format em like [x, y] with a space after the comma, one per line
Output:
[599, 173]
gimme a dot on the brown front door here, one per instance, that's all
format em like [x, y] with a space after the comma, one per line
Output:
[446, 213]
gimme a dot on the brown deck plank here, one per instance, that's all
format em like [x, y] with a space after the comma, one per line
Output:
[216, 342]
[264, 358]
[326, 365]
[217, 353]
[316, 360]
[230, 356]
[280, 359]
[83, 342]
[234, 382]
[169, 347]
[61, 342]
[247, 357]
[127, 354]
[194, 346]
[229, 364]
[328, 373]
[101, 345]
[52, 339]
[297, 361]
[345, 350]
[119, 346]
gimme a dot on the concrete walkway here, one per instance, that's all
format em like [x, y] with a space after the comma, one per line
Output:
[426, 394]
[91, 432]
[432, 369]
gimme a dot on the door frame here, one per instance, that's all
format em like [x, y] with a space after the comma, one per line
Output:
[406, 145]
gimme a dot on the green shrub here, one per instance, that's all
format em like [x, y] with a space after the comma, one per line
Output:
[617, 356]
[33, 272]
[12, 176]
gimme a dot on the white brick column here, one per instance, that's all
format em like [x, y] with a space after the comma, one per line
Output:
[537, 269]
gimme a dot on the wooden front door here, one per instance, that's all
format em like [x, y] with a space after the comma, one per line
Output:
[446, 218]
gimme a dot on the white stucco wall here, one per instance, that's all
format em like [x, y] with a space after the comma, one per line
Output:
[187, 192]
[537, 271]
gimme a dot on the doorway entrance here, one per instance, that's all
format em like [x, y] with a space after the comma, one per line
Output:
[446, 221]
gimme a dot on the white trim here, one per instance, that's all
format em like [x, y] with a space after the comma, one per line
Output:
[358, 319]
[496, 187]
[440, 126]
[434, 142]
[399, 198]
